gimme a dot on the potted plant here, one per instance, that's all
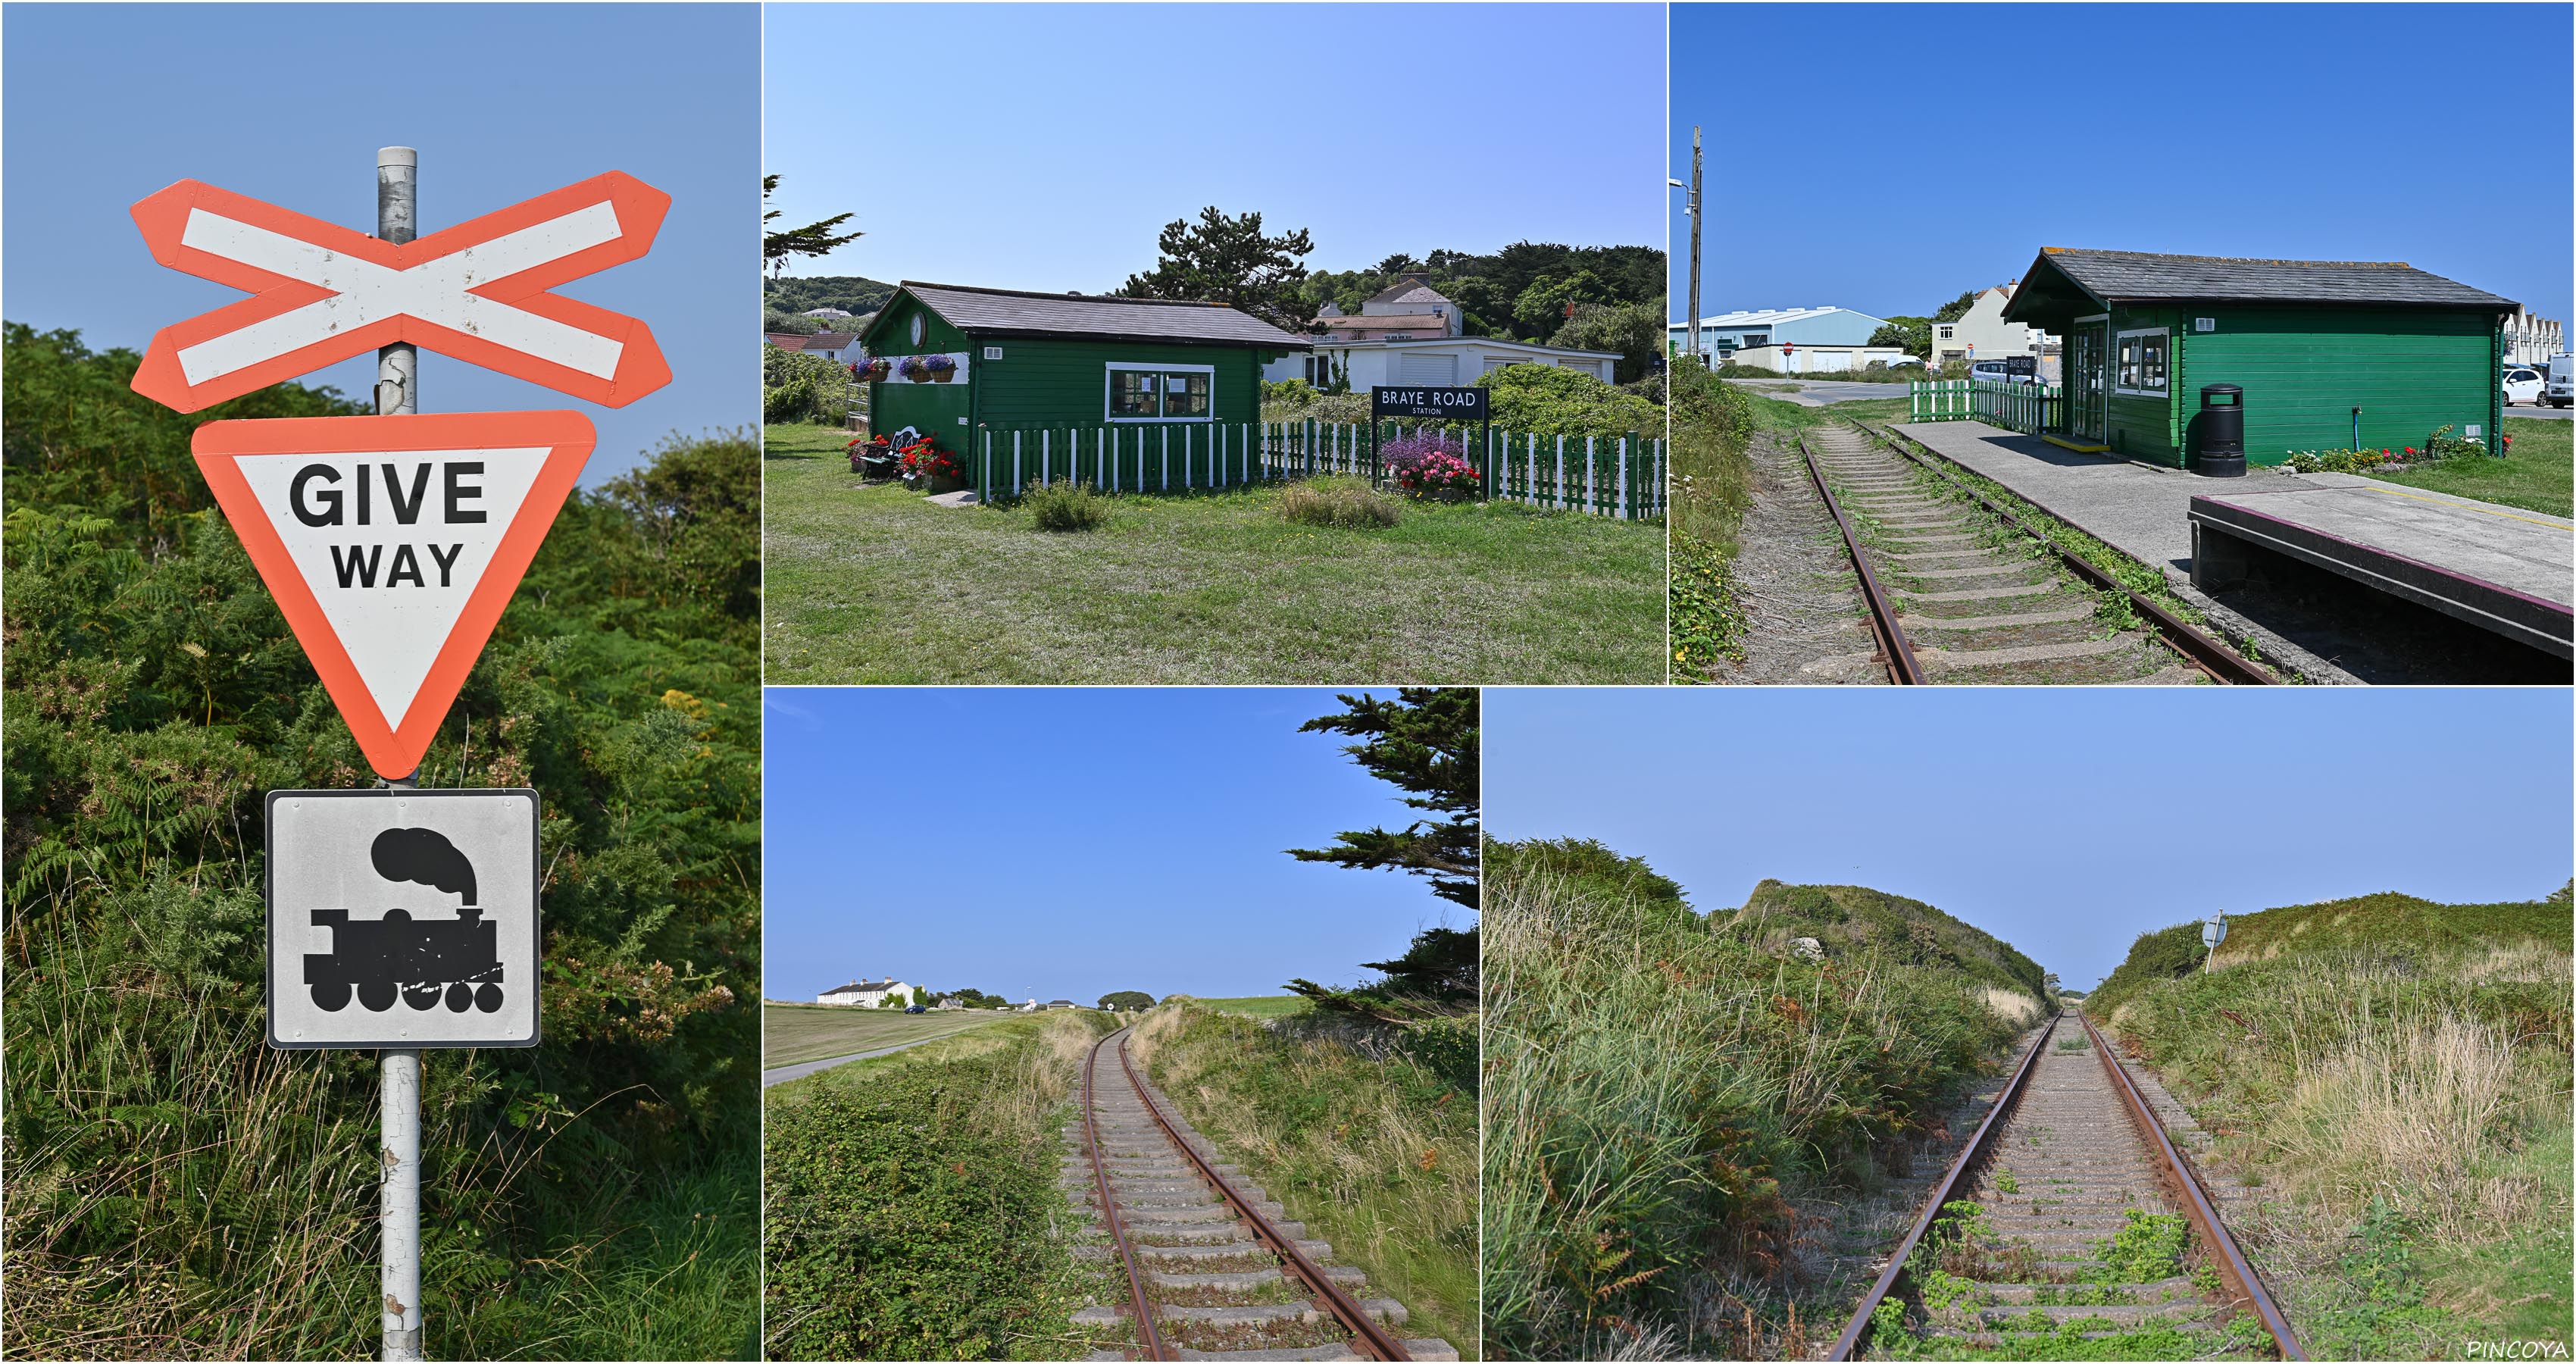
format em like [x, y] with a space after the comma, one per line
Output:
[875, 369]
[941, 368]
[928, 469]
[914, 368]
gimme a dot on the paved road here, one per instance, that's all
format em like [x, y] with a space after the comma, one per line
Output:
[784, 1074]
[2549, 414]
[1820, 392]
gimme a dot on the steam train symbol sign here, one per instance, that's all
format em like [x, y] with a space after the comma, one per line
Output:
[403, 918]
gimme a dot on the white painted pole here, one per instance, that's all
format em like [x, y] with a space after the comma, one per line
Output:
[398, 221]
[398, 1193]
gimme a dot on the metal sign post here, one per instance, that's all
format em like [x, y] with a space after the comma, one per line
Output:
[2212, 933]
[398, 1197]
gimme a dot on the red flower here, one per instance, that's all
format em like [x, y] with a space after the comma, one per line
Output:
[2409, 449]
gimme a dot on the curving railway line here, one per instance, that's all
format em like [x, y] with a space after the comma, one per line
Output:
[1212, 1267]
[1959, 590]
[2077, 1194]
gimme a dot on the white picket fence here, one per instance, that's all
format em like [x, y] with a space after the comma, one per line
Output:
[1606, 476]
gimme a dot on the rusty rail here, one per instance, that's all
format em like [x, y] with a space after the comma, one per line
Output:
[1149, 1335]
[2236, 1273]
[1902, 668]
[2220, 662]
[1848, 1343]
[1374, 1341]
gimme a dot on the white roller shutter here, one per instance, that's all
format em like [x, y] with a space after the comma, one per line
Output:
[1417, 367]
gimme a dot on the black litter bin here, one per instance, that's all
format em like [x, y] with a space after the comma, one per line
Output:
[2221, 425]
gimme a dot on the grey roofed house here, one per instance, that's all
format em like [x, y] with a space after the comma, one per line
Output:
[1062, 1004]
[2140, 276]
[1412, 288]
[1011, 312]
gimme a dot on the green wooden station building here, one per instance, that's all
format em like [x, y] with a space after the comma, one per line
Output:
[2330, 354]
[964, 359]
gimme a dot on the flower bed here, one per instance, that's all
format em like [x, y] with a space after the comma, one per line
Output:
[1424, 465]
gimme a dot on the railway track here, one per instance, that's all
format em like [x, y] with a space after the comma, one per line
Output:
[1958, 590]
[1212, 1266]
[2070, 1211]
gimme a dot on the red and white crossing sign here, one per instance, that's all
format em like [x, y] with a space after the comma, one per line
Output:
[392, 545]
[476, 291]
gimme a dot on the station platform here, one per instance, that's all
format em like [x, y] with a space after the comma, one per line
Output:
[2501, 568]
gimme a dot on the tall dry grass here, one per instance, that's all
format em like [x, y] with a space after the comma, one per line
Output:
[1656, 1090]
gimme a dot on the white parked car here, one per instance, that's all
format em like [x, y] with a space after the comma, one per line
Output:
[2522, 384]
[2003, 371]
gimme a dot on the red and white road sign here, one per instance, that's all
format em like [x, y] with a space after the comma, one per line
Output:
[392, 545]
[476, 291]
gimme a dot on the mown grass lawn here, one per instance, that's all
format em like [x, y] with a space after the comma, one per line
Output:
[877, 585]
[2537, 474]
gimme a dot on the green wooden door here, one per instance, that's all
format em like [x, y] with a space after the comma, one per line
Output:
[2088, 380]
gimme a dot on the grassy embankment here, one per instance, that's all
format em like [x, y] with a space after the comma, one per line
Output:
[1661, 1086]
[1260, 1006]
[2538, 473]
[875, 584]
[1368, 1137]
[791, 1033]
[912, 1203]
[177, 1189]
[2397, 1072]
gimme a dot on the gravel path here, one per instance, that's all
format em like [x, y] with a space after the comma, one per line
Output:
[1805, 617]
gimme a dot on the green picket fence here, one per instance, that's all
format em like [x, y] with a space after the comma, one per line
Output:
[2027, 408]
[1617, 476]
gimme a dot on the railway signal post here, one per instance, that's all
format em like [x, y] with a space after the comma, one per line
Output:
[400, 920]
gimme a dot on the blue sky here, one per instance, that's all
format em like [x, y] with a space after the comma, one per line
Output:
[2065, 821]
[1052, 142]
[2431, 134]
[105, 104]
[1067, 843]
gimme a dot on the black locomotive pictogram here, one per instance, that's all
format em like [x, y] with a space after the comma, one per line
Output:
[397, 956]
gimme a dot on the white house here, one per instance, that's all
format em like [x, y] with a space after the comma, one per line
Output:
[866, 994]
[825, 312]
[1410, 333]
[2530, 340]
[1982, 334]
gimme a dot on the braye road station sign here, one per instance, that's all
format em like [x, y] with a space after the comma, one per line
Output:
[402, 918]
[1453, 404]
[399, 919]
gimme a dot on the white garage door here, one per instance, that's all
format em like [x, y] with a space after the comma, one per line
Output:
[1414, 367]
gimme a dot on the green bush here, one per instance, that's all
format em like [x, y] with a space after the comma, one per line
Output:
[1554, 401]
[178, 1188]
[1066, 506]
[796, 387]
[913, 1212]
[1341, 500]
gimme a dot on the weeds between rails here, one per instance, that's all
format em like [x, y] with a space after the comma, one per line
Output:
[1960, 602]
[2070, 1228]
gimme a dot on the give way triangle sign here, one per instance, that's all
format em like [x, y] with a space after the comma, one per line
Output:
[392, 544]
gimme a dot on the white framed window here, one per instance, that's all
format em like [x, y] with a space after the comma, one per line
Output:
[1948, 334]
[2138, 362]
[1160, 393]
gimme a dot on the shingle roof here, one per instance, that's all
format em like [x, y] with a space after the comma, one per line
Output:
[2123, 275]
[830, 340]
[787, 340]
[1409, 291]
[1009, 312]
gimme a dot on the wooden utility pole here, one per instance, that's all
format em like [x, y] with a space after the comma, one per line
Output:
[1695, 215]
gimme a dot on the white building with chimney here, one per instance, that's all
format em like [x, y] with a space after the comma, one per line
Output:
[867, 994]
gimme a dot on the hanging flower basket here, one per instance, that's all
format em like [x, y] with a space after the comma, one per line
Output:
[914, 368]
[941, 368]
